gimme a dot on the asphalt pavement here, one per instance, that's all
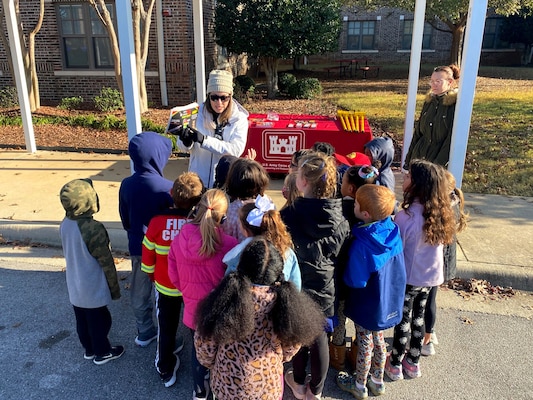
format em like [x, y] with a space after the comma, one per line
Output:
[482, 352]
[496, 246]
[483, 339]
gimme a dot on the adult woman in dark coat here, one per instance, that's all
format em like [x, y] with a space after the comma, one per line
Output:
[433, 130]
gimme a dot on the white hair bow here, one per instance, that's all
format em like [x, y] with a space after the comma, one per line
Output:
[262, 205]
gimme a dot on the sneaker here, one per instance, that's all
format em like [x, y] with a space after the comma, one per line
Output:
[434, 339]
[428, 349]
[377, 389]
[311, 396]
[412, 370]
[298, 390]
[393, 372]
[347, 383]
[144, 343]
[170, 378]
[115, 353]
[200, 396]
[88, 356]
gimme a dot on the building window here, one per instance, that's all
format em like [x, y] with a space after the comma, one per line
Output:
[406, 35]
[361, 35]
[491, 35]
[84, 40]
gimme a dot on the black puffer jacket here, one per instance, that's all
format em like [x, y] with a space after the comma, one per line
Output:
[318, 230]
[433, 131]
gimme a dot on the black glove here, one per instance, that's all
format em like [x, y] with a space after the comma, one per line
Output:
[175, 130]
[186, 137]
[194, 135]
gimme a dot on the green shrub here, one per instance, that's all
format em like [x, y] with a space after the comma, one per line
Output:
[245, 82]
[70, 103]
[108, 100]
[148, 125]
[8, 97]
[7, 120]
[307, 88]
[285, 80]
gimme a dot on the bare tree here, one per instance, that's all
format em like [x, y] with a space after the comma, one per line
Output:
[142, 18]
[27, 41]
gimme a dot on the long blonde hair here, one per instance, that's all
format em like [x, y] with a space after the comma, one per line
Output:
[209, 214]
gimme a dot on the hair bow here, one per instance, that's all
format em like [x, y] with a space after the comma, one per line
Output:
[262, 205]
[374, 172]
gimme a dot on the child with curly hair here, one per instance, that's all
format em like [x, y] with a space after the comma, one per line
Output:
[450, 266]
[251, 323]
[427, 224]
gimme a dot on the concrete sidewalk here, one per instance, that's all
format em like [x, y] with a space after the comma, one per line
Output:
[496, 246]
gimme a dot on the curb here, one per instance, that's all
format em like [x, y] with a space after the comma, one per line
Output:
[508, 276]
[48, 234]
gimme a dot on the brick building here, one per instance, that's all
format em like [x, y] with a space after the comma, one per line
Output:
[384, 37]
[74, 58]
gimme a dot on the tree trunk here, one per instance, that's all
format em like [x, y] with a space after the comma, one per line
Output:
[105, 17]
[34, 94]
[456, 49]
[270, 65]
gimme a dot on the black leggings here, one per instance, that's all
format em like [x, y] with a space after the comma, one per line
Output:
[430, 316]
[318, 353]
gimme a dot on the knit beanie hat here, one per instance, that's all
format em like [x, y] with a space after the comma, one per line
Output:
[220, 81]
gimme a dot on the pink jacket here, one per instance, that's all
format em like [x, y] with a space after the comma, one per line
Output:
[194, 275]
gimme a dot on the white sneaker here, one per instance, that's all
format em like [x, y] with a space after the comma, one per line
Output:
[428, 349]
[298, 391]
[434, 339]
[144, 343]
[310, 396]
[170, 380]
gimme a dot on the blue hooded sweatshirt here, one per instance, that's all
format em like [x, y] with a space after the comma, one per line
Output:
[145, 193]
[375, 276]
[382, 149]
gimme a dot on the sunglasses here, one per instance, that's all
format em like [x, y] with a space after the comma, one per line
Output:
[215, 97]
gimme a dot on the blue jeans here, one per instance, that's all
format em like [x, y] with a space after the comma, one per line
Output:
[141, 292]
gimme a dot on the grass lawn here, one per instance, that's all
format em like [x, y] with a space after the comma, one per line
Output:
[500, 148]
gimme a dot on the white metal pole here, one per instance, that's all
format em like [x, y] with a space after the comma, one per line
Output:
[20, 76]
[129, 69]
[414, 72]
[199, 52]
[475, 26]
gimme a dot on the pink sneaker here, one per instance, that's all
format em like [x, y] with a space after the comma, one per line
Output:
[412, 370]
[393, 372]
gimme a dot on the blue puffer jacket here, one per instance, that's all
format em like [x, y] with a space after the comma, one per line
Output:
[375, 276]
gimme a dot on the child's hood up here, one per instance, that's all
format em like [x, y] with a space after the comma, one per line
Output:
[149, 152]
[79, 199]
[382, 149]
